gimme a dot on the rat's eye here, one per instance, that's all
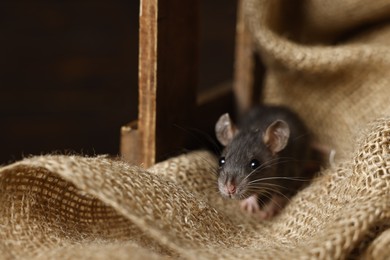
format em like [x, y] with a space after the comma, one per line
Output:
[254, 164]
[221, 161]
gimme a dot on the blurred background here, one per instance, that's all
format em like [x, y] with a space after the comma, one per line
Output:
[68, 71]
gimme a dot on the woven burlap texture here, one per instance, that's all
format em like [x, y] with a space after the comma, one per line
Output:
[328, 61]
[70, 207]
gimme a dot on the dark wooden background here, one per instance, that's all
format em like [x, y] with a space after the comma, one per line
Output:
[68, 71]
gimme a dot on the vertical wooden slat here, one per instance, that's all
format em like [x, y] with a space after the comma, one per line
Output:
[168, 54]
[129, 141]
[243, 86]
[147, 77]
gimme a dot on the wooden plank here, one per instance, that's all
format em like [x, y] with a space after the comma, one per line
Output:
[129, 143]
[167, 79]
[147, 77]
[244, 64]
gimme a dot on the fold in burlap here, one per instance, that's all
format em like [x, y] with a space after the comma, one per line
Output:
[324, 66]
[70, 206]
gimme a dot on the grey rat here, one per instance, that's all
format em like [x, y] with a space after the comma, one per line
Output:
[263, 161]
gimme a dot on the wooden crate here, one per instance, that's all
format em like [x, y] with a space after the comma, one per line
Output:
[167, 99]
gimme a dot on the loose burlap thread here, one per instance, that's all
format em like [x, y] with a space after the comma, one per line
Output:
[66, 207]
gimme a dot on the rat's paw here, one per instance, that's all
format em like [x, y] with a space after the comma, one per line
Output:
[272, 208]
[267, 213]
[250, 204]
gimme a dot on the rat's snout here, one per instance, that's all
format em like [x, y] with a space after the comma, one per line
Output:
[231, 187]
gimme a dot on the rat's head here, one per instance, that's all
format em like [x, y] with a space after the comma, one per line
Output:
[249, 155]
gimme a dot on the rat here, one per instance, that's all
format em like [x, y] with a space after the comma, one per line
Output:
[263, 161]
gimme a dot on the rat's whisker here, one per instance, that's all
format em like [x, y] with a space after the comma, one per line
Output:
[210, 162]
[300, 136]
[269, 190]
[254, 184]
[282, 178]
[275, 163]
[282, 188]
[260, 167]
[270, 163]
[267, 195]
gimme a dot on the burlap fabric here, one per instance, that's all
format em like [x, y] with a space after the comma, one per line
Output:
[65, 207]
[329, 60]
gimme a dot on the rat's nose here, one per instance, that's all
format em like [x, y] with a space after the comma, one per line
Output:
[231, 187]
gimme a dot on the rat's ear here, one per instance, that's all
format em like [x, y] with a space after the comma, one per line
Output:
[276, 136]
[225, 130]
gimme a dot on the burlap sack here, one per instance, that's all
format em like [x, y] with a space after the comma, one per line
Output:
[329, 60]
[66, 207]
